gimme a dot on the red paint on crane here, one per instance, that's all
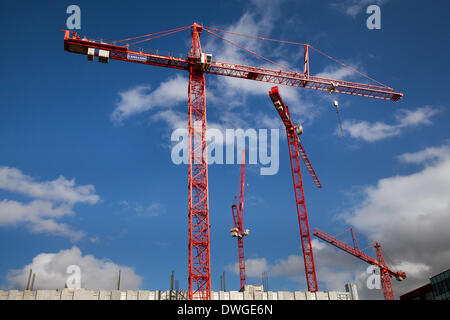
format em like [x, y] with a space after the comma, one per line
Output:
[295, 151]
[385, 272]
[238, 219]
[199, 248]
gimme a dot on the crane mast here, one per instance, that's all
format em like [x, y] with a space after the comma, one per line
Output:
[385, 272]
[296, 151]
[238, 218]
[198, 63]
[199, 244]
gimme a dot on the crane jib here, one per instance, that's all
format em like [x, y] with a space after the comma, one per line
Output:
[279, 77]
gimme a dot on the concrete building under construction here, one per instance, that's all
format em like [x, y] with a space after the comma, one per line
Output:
[250, 292]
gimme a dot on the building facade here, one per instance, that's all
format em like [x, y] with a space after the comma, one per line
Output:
[249, 293]
[441, 285]
[437, 289]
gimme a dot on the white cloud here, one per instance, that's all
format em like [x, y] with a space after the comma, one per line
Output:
[337, 73]
[355, 7]
[420, 116]
[228, 95]
[151, 210]
[253, 267]
[50, 270]
[231, 94]
[255, 21]
[415, 270]
[409, 215]
[333, 269]
[371, 132]
[288, 267]
[234, 91]
[61, 189]
[52, 200]
[140, 99]
[426, 155]
[175, 119]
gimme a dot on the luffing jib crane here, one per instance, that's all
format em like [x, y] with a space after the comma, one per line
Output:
[296, 151]
[238, 219]
[199, 63]
[385, 272]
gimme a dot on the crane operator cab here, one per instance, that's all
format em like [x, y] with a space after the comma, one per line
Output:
[205, 60]
[299, 129]
[237, 234]
[333, 87]
[278, 105]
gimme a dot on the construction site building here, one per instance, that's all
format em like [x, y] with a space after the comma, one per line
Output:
[250, 292]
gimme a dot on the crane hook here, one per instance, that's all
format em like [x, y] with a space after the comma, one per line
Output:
[336, 106]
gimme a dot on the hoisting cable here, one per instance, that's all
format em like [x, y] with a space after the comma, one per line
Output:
[158, 36]
[151, 34]
[339, 120]
[368, 239]
[255, 37]
[302, 44]
[353, 69]
[356, 231]
[249, 51]
[388, 259]
[339, 234]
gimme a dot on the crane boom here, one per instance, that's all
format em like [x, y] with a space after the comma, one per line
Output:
[76, 45]
[290, 129]
[295, 151]
[386, 272]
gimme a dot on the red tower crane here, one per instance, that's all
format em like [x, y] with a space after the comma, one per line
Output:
[238, 219]
[385, 272]
[296, 151]
[197, 64]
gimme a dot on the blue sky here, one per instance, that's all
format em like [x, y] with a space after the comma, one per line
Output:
[101, 190]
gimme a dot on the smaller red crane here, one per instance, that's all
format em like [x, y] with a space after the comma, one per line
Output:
[238, 218]
[385, 272]
[296, 151]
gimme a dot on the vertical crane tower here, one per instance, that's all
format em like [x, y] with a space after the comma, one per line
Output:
[198, 64]
[238, 219]
[199, 249]
[296, 151]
